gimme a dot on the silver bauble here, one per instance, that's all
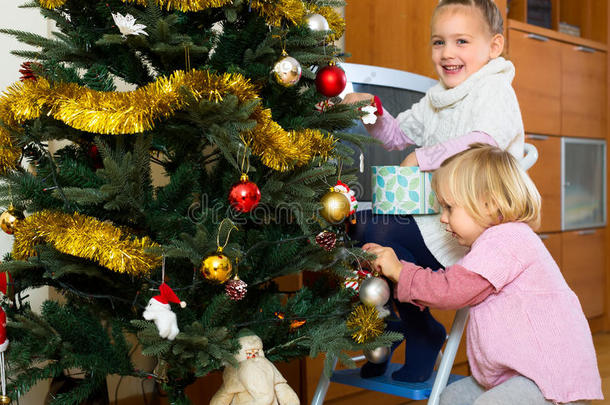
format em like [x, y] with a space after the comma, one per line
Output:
[317, 22]
[377, 355]
[287, 71]
[374, 291]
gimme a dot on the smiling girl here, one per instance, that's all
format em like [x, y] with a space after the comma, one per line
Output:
[472, 102]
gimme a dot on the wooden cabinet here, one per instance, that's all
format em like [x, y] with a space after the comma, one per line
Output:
[583, 98]
[590, 16]
[553, 243]
[537, 80]
[560, 81]
[583, 266]
[546, 174]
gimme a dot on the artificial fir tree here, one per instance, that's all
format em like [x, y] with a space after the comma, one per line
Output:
[209, 90]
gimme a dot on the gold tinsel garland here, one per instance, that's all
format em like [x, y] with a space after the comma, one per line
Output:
[85, 237]
[184, 5]
[274, 12]
[135, 111]
[365, 324]
[52, 3]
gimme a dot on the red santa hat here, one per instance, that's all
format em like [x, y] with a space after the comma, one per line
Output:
[167, 295]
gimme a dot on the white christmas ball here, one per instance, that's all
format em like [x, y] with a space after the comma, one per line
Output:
[377, 355]
[317, 22]
[374, 291]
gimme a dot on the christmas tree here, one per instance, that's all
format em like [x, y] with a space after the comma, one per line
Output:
[234, 101]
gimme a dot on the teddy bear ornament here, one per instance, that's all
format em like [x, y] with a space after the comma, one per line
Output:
[255, 380]
[159, 311]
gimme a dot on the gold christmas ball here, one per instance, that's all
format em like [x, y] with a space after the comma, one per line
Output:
[217, 268]
[335, 207]
[10, 219]
[287, 71]
[4, 399]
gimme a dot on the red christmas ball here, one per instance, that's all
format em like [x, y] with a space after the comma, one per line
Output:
[330, 80]
[244, 195]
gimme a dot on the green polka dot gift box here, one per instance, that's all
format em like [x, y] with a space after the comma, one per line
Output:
[402, 190]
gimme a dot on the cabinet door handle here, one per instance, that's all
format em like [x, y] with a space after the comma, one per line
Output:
[543, 236]
[584, 49]
[587, 232]
[537, 137]
[537, 37]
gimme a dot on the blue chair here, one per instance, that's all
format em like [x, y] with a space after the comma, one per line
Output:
[439, 379]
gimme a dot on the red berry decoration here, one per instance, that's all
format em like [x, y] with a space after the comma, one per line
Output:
[236, 289]
[326, 240]
[244, 195]
[95, 156]
[331, 80]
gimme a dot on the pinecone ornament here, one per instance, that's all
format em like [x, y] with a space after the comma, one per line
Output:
[326, 240]
[236, 289]
[26, 72]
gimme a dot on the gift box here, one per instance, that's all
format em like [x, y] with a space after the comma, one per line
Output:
[402, 190]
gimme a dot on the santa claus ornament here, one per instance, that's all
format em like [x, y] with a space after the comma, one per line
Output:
[256, 380]
[5, 282]
[344, 189]
[159, 311]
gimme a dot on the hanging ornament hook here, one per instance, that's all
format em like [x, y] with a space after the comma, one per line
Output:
[223, 224]
[187, 58]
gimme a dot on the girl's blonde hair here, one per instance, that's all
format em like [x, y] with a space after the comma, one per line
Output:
[485, 175]
[488, 8]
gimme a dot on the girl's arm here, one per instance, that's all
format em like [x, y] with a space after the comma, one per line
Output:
[453, 288]
[431, 157]
[387, 130]
[394, 133]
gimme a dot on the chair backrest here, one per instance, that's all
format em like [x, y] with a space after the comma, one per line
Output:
[530, 156]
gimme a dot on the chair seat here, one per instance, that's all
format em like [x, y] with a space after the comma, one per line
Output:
[385, 383]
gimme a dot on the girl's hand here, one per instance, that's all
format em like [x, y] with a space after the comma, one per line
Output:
[352, 98]
[387, 262]
[410, 160]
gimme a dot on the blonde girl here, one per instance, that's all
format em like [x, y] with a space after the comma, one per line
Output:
[528, 341]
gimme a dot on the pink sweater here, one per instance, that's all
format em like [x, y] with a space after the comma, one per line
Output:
[386, 129]
[531, 323]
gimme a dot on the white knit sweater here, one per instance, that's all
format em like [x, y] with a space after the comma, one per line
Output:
[484, 102]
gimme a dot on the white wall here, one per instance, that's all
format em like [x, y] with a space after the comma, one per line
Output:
[25, 19]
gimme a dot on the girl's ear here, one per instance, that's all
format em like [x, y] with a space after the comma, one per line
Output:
[496, 46]
[492, 213]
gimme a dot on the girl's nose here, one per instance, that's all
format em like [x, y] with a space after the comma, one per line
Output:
[444, 218]
[447, 51]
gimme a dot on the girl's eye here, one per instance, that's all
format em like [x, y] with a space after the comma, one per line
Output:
[438, 42]
[462, 41]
